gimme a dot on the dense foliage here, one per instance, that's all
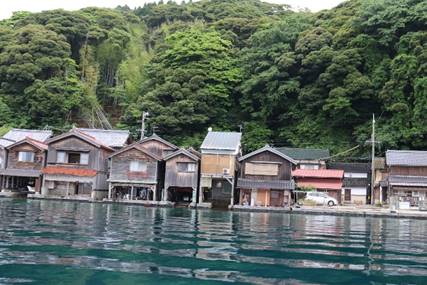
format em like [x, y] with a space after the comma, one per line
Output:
[286, 78]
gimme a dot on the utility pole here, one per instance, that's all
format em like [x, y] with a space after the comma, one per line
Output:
[373, 159]
[144, 116]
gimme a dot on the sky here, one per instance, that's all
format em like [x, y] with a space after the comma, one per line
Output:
[9, 6]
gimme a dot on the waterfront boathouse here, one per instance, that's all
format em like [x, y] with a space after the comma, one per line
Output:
[265, 179]
[182, 177]
[76, 166]
[220, 151]
[22, 156]
[134, 174]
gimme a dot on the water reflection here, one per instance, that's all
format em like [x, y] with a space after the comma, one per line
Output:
[47, 242]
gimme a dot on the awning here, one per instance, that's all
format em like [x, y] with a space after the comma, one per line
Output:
[414, 181]
[57, 170]
[21, 172]
[265, 184]
[321, 185]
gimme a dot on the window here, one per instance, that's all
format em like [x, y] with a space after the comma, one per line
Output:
[60, 156]
[74, 158]
[266, 169]
[84, 158]
[186, 167]
[309, 166]
[138, 166]
[26, 156]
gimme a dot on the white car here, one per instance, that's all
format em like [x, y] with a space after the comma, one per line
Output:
[321, 198]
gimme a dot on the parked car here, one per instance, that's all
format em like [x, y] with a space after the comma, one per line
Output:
[321, 198]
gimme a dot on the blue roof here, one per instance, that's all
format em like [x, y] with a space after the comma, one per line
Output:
[229, 141]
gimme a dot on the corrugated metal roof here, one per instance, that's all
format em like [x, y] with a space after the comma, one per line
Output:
[318, 173]
[401, 180]
[304, 153]
[266, 184]
[406, 157]
[21, 172]
[222, 141]
[111, 138]
[20, 134]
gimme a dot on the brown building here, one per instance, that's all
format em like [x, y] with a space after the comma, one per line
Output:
[23, 164]
[321, 180]
[407, 178]
[76, 166]
[181, 176]
[265, 178]
[134, 174]
[220, 151]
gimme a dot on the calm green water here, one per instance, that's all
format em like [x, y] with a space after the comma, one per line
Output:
[47, 242]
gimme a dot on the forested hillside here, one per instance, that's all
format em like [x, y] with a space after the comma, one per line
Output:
[288, 78]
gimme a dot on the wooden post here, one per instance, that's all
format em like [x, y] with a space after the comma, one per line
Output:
[68, 189]
[131, 193]
[110, 188]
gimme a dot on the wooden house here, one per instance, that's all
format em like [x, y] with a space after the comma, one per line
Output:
[134, 174]
[265, 178]
[220, 151]
[380, 195]
[356, 181]
[407, 177]
[23, 164]
[11, 137]
[321, 180]
[76, 166]
[181, 176]
[307, 158]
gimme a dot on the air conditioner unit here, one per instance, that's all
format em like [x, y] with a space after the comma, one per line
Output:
[226, 171]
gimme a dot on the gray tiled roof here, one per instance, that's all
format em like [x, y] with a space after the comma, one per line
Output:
[351, 167]
[266, 184]
[406, 157]
[5, 142]
[111, 138]
[222, 141]
[403, 180]
[20, 134]
[304, 153]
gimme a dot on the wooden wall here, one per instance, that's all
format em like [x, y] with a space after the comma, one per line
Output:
[405, 170]
[120, 167]
[13, 156]
[215, 164]
[78, 145]
[285, 167]
[156, 147]
[180, 179]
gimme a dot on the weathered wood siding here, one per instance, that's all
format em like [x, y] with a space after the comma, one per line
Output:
[120, 167]
[180, 179]
[285, 167]
[158, 148]
[13, 157]
[406, 170]
[77, 145]
[2, 158]
[216, 163]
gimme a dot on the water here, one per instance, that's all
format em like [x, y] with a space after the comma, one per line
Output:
[50, 242]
